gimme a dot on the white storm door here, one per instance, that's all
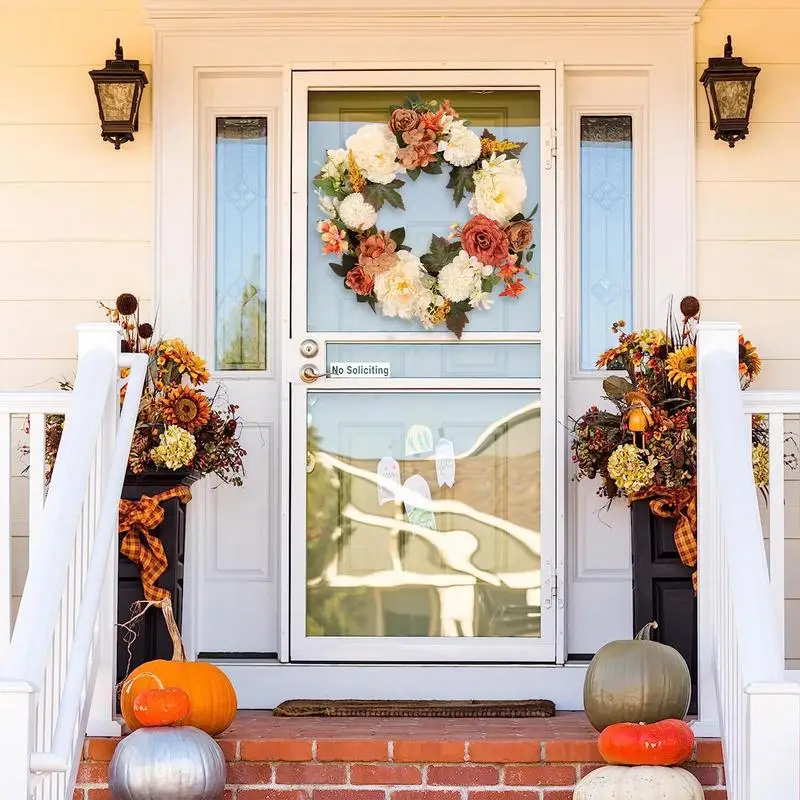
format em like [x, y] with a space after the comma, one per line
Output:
[424, 571]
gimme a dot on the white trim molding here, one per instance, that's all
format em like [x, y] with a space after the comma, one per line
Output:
[455, 15]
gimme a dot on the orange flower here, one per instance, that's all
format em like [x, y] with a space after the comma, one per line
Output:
[187, 362]
[513, 289]
[187, 407]
[749, 359]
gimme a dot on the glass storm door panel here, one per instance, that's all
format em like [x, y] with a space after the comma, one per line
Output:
[422, 487]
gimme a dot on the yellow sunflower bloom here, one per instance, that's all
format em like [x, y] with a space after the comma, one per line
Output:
[187, 362]
[682, 367]
[187, 407]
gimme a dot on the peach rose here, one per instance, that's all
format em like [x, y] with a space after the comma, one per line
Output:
[359, 282]
[520, 235]
[376, 254]
[403, 119]
[486, 240]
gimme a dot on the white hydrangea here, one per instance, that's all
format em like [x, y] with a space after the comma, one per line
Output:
[462, 147]
[356, 213]
[374, 148]
[461, 278]
[500, 189]
[334, 165]
[481, 300]
[404, 290]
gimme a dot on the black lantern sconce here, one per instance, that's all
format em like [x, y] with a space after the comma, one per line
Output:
[730, 86]
[119, 87]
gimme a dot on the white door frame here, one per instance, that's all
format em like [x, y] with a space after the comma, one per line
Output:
[542, 79]
[226, 37]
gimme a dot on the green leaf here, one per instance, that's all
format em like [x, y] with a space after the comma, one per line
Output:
[340, 269]
[456, 322]
[377, 193]
[328, 187]
[349, 261]
[442, 251]
[434, 168]
[462, 180]
[616, 387]
[398, 236]
[413, 173]
[533, 213]
[529, 256]
[490, 282]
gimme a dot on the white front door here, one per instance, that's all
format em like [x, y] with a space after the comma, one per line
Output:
[392, 559]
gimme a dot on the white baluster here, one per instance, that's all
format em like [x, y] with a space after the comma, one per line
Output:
[5, 532]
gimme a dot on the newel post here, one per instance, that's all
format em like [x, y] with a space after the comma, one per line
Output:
[711, 337]
[105, 336]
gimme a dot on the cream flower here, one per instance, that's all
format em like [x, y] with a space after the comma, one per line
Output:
[462, 147]
[176, 448]
[404, 290]
[334, 165]
[500, 189]
[461, 278]
[629, 469]
[356, 213]
[374, 148]
[329, 206]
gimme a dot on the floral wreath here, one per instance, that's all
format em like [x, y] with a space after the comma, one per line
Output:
[460, 271]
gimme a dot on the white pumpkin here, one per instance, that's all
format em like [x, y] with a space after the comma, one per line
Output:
[639, 783]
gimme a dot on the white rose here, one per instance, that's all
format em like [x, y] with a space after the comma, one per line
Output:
[374, 148]
[500, 189]
[462, 148]
[461, 278]
[405, 289]
[356, 213]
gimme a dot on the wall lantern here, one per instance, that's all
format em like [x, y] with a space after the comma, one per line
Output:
[119, 87]
[730, 86]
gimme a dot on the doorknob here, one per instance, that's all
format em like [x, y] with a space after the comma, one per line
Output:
[309, 348]
[309, 374]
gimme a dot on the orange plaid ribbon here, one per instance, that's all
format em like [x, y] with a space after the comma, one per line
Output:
[137, 520]
[680, 505]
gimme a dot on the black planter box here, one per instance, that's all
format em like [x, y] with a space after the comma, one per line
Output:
[152, 638]
[662, 587]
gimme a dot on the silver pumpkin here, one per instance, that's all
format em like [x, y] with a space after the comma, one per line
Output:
[167, 764]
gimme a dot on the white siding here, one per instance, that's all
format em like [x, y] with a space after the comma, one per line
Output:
[76, 221]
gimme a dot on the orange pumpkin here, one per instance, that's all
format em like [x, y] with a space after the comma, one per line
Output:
[212, 699]
[660, 744]
[154, 708]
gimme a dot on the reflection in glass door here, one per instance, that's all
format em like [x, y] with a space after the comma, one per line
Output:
[423, 467]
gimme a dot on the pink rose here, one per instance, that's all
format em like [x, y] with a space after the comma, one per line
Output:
[376, 254]
[403, 119]
[486, 240]
[359, 282]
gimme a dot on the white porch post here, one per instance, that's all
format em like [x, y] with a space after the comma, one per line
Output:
[105, 336]
[712, 336]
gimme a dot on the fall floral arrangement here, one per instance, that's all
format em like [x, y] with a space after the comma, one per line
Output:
[460, 271]
[645, 443]
[179, 425]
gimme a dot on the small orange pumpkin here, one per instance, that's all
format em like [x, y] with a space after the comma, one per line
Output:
[660, 744]
[212, 699]
[155, 708]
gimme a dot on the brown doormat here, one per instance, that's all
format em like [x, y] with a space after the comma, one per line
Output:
[416, 708]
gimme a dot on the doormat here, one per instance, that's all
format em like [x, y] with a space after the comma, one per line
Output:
[416, 708]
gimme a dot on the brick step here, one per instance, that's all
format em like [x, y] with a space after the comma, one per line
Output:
[273, 758]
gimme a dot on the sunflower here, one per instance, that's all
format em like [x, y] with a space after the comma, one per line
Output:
[186, 407]
[749, 359]
[185, 360]
[682, 367]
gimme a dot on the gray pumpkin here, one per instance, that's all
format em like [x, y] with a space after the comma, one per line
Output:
[636, 681]
[167, 764]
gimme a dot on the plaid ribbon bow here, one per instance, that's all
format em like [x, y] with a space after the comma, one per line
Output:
[137, 520]
[680, 505]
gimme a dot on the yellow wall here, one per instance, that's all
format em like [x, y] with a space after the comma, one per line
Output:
[75, 215]
[748, 198]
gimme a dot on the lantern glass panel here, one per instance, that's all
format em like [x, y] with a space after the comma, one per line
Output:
[712, 108]
[117, 100]
[733, 97]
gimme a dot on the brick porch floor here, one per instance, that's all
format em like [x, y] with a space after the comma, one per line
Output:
[273, 758]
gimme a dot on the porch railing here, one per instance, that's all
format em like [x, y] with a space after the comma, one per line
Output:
[63, 635]
[741, 644]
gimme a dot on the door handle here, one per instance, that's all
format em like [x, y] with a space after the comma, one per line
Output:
[309, 374]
